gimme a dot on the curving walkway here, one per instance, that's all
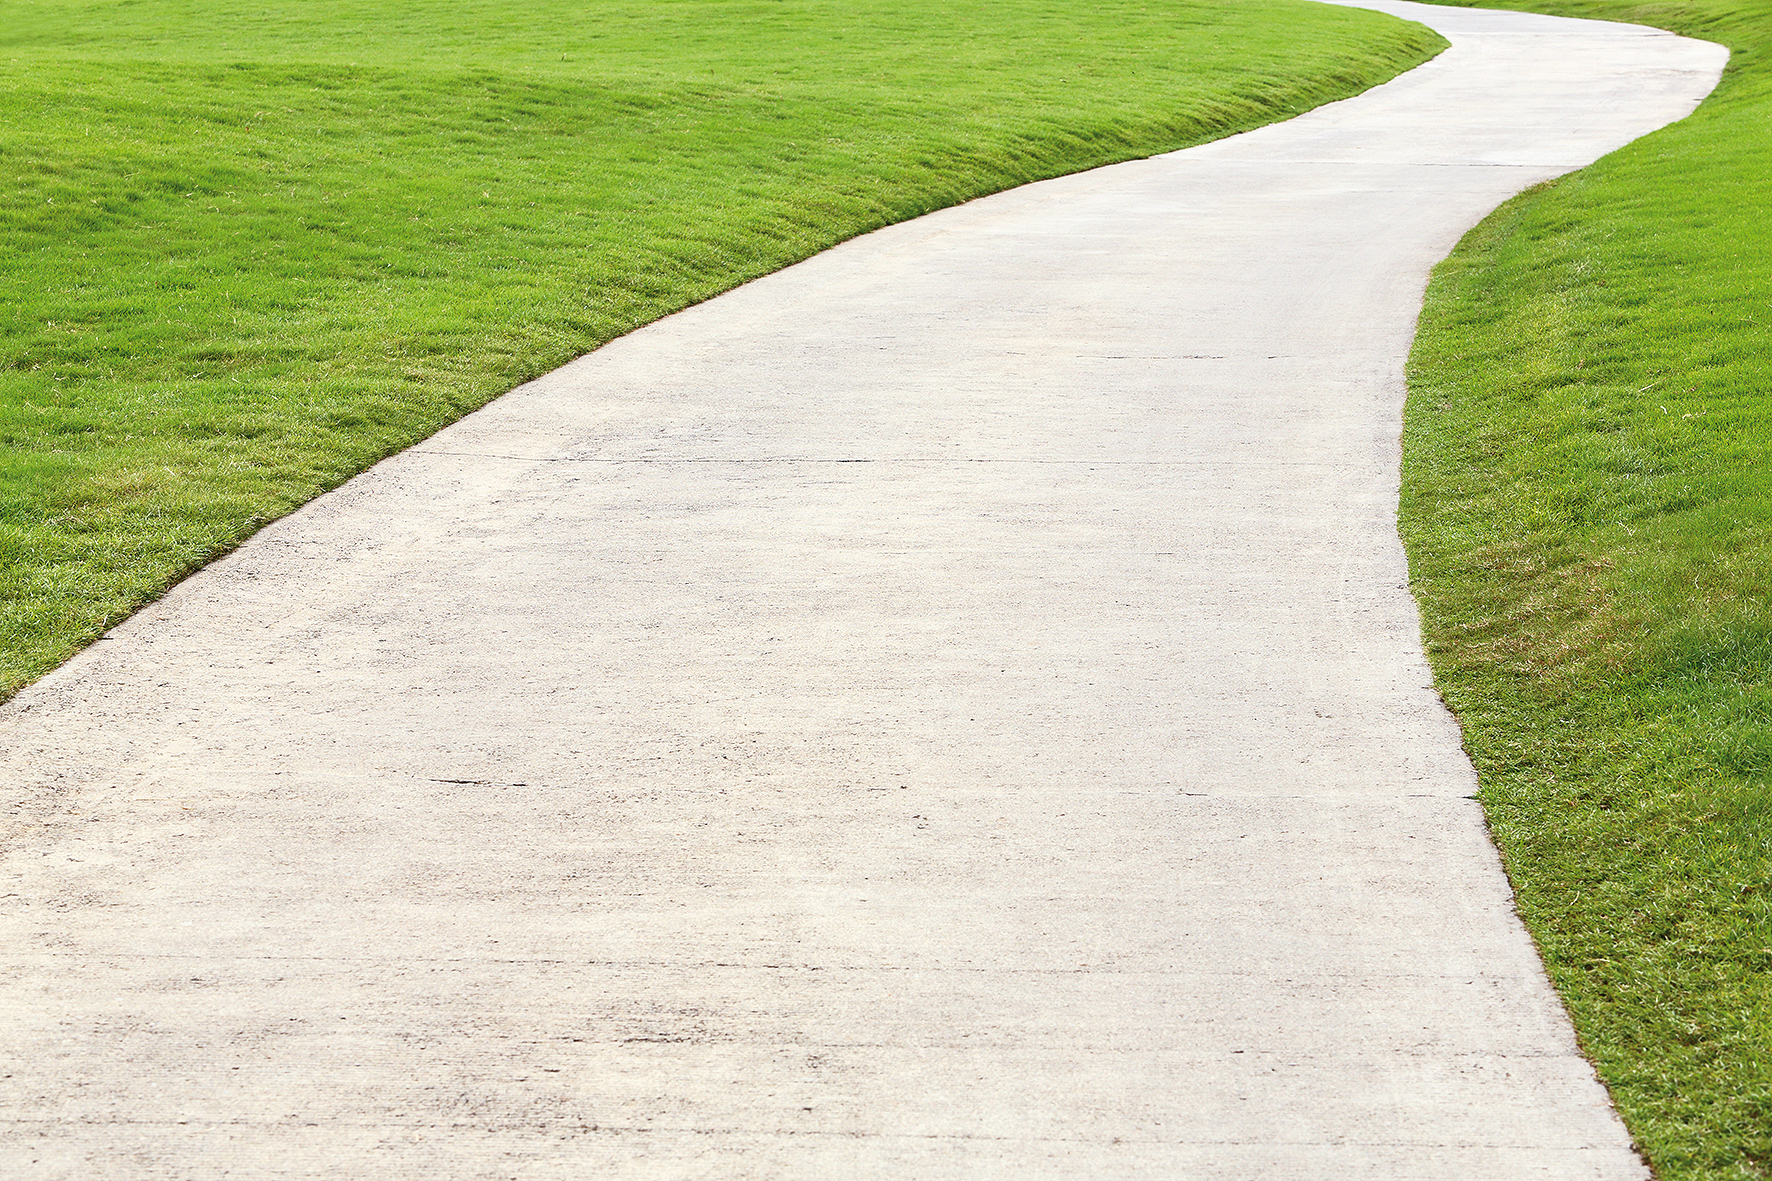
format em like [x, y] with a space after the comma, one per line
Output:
[951, 709]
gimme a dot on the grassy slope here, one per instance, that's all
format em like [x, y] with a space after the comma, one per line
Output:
[1588, 510]
[248, 249]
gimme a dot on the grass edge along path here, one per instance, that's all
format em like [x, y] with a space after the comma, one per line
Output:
[246, 252]
[1587, 508]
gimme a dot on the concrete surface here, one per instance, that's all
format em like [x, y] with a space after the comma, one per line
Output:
[950, 709]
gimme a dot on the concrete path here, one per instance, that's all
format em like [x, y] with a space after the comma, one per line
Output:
[949, 710]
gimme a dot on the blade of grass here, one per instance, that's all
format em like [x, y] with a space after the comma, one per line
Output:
[1588, 511]
[247, 250]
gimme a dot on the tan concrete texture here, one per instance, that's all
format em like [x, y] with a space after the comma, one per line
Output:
[951, 709]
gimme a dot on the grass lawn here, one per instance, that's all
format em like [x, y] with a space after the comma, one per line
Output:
[246, 250]
[1588, 510]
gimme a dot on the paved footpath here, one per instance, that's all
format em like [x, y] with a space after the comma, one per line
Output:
[949, 710]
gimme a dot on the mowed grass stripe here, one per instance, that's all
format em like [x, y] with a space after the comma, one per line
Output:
[247, 250]
[1588, 511]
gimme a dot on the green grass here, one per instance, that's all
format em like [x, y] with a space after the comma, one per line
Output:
[1588, 510]
[248, 249]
